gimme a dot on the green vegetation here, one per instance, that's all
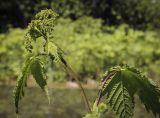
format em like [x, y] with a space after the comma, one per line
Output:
[72, 50]
[124, 84]
[85, 42]
[119, 85]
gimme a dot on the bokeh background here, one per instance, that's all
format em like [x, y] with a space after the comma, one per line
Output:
[94, 35]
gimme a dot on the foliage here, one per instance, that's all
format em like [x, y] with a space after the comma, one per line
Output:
[11, 53]
[124, 84]
[119, 84]
[72, 8]
[142, 14]
[22, 82]
[41, 26]
[86, 42]
[104, 45]
[139, 14]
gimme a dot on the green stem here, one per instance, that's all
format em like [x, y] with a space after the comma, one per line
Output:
[80, 85]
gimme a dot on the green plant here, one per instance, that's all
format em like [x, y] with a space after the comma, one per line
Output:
[40, 51]
[119, 84]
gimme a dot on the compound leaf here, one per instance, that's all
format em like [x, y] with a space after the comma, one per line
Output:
[124, 85]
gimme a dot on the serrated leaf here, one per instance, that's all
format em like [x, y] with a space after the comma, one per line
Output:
[38, 73]
[147, 91]
[118, 97]
[21, 83]
[132, 82]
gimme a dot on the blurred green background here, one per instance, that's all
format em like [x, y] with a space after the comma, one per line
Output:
[94, 35]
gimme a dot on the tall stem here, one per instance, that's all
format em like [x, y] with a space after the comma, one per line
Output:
[80, 85]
